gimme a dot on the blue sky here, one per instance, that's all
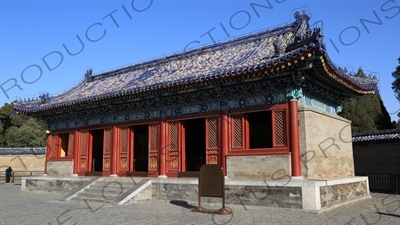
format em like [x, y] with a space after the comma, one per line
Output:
[121, 33]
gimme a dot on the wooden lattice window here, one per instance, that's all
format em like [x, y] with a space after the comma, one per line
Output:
[153, 137]
[278, 118]
[238, 131]
[258, 130]
[212, 133]
[107, 141]
[174, 136]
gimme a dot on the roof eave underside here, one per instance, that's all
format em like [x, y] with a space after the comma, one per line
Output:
[343, 81]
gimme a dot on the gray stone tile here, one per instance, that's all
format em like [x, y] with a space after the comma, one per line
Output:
[18, 207]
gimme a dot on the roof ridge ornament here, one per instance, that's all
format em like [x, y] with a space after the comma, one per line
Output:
[302, 26]
[44, 98]
[301, 17]
[88, 75]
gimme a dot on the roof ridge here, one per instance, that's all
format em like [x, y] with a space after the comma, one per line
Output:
[377, 132]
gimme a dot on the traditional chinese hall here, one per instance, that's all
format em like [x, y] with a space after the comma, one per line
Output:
[263, 106]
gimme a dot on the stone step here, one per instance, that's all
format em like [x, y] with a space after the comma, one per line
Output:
[106, 196]
[109, 188]
[126, 183]
[103, 192]
[112, 191]
[96, 199]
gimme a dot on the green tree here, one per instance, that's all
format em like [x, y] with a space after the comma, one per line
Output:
[396, 82]
[367, 113]
[20, 130]
[356, 110]
[30, 134]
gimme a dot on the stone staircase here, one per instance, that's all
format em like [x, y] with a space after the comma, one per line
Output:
[116, 191]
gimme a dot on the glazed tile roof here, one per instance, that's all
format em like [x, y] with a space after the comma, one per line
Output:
[23, 151]
[380, 135]
[259, 51]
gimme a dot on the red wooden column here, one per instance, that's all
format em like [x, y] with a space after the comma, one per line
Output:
[48, 151]
[224, 144]
[130, 150]
[114, 151]
[294, 138]
[163, 150]
[76, 152]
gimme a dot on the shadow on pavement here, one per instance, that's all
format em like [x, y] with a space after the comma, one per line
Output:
[388, 214]
[182, 204]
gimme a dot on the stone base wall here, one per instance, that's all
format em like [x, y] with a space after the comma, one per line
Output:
[325, 144]
[175, 191]
[59, 168]
[251, 194]
[259, 167]
[52, 184]
[336, 194]
[309, 195]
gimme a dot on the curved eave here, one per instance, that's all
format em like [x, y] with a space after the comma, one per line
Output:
[187, 83]
[341, 79]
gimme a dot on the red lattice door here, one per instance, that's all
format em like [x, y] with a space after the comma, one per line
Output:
[55, 145]
[107, 148]
[71, 144]
[279, 138]
[83, 149]
[154, 146]
[124, 149]
[212, 140]
[173, 146]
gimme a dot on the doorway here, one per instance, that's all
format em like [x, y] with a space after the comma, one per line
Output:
[140, 149]
[97, 150]
[195, 143]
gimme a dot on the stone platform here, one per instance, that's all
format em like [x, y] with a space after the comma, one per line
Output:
[313, 196]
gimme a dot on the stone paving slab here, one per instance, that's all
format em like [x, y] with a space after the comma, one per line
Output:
[18, 207]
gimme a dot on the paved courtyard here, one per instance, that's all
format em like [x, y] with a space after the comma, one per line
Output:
[18, 207]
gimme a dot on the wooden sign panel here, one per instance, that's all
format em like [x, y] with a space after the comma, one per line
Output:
[211, 181]
[212, 184]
